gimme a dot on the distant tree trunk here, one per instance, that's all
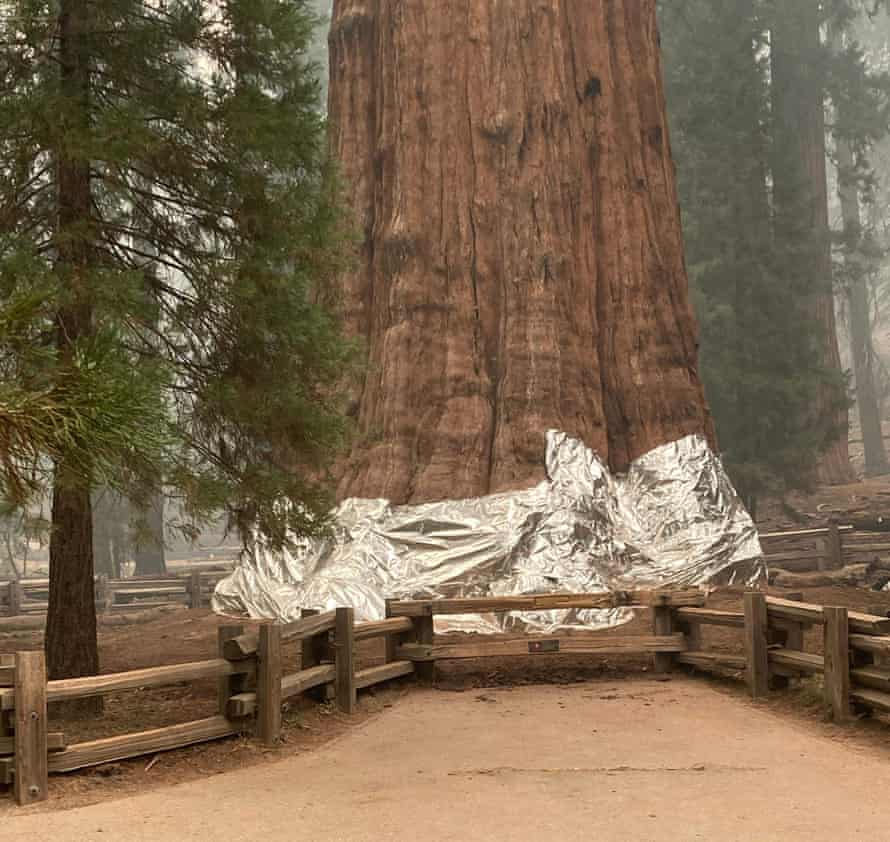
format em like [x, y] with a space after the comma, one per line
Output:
[522, 266]
[148, 551]
[861, 346]
[103, 555]
[801, 197]
[110, 519]
[70, 640]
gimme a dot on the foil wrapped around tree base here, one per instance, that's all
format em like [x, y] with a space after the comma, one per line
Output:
[673, 520]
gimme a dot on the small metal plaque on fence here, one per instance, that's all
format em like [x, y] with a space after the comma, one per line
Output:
[537, 646]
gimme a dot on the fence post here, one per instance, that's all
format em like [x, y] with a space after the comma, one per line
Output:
[837, 662]
[195, 589]
[268, 685]
[344, 645]
[229, 685]
[15, 598]
[756, 651]
[663, 625]
[390, 640]
[424, 633]
[834, 547]
[314, 650]
[31, 774]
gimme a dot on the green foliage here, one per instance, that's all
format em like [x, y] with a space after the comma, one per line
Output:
[210, 363]
[750, 266]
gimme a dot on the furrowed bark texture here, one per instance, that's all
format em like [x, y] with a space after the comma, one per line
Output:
[522, 266]
[801, 194]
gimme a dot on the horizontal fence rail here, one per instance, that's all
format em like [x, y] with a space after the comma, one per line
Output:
[836, 551]
[544, 645]
[194, 589]
[544, 602]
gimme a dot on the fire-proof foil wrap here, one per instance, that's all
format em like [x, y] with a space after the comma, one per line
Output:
[673, 520]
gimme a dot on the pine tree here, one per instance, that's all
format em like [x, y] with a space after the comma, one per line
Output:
[168, 227]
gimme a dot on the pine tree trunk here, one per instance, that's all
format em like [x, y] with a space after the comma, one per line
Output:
[71, 644]
[861, 347]
[148, 552]
[522, 266]
[801, 197]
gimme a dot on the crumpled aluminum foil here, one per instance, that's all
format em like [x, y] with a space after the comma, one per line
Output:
[673, 519]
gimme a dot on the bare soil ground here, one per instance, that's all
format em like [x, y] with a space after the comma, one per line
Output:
[633, 760]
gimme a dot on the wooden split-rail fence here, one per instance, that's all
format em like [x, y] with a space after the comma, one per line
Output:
[825, 548]
[25, 597]
[254, 684]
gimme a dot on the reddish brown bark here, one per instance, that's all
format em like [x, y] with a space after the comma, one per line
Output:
[522, 266]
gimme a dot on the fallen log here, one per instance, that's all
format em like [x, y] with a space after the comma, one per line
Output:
[875, 523]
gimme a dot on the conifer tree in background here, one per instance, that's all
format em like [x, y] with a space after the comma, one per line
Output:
[860, 97]
[799, 81]
[747, 82]
[167, 229]
[760, 362]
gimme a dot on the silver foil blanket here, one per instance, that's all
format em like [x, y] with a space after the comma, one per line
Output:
[673, 519]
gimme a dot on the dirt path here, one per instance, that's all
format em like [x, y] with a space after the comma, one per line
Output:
[616, 762]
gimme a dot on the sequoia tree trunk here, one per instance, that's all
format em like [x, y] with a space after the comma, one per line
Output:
[801, 198]
[522, 266]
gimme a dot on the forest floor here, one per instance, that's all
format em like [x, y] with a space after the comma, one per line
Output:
[636, 760]
[869, 497]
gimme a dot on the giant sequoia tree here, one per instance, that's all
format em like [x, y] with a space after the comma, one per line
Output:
[522, 263]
